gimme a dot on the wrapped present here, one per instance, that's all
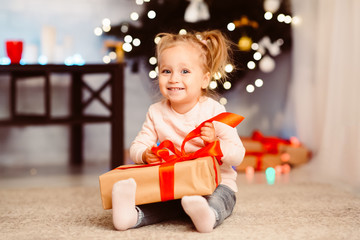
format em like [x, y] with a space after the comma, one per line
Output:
[263, 152]
[178, 175]
[196, 177]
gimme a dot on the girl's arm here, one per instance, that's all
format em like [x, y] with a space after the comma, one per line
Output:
[145, 139]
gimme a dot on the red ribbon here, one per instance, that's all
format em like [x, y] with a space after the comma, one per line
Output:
[271, 144]
[166, 169]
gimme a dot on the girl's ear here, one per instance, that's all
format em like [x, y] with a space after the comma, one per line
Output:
[206, 80]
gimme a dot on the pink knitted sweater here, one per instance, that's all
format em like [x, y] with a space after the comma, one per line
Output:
[162, 123]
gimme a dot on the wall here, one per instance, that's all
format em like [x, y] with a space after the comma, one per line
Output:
[49, 145]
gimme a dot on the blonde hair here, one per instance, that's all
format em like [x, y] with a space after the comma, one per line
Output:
[213, 45]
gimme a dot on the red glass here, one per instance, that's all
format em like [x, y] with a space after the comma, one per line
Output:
[14, 51]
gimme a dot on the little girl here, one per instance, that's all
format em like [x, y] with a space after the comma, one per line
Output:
[186, 64]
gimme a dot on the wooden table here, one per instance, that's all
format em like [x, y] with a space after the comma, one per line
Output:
[77, 118]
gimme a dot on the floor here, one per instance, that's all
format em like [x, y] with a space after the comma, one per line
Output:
[87, 175]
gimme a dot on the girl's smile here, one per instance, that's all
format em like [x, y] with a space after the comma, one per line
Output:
[181, 76]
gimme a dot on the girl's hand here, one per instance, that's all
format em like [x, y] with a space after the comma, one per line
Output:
[149, 157]
[208, 133]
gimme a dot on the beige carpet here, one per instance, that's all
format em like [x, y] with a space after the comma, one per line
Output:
[280, 211]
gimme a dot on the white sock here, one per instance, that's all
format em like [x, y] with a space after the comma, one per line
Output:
[125, 214]
[200, 213]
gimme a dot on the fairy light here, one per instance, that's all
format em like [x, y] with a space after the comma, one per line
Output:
[151, 14]
[98, 31]
[223, 101]
[106, 59]
[287, 19]
[153, 60]
[231, 26]
[250, 88]
[270, 175]
[281, 17]
[257, 56]
[229, 68]
[106, 22]
[139, 2]
[182, 32]
[136, 42]
[259, 82]
[157, 40]
[254, 46]
[227, 85]
[106, 28]
[112, 55]
[134, 16]
[124, 28]
[251, 65]
[127, 47]
[268, 15]
[213, 85]
[296, 20]
[128, 38]
[217, 76]
[152, 74]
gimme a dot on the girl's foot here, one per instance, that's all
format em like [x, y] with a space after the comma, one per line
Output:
[200, 213]
[125, 214]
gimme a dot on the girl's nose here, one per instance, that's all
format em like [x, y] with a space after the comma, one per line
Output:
[174, 78]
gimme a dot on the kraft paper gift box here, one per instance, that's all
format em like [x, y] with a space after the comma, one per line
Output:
[193, 177]
[260, 161]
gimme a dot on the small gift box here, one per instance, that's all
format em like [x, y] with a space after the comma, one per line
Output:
[194, 177]
[178, 175]
[263, 152]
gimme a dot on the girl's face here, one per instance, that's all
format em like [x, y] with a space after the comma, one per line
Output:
[181, 76]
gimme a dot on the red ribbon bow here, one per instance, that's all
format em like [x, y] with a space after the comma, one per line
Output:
[166, 170]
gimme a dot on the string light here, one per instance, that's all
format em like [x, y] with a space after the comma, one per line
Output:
[213, 85]
[281, 17]
[106, 22]
[136, 42]
[124, 28]
[231, 26]
[98, 31]
[106, 59]
[112, 55]
[134, 16]
[250, 88]
[254, 46]
[106, 28]
[287, 19]
[223, 101]
[268, 15]
[157, 40]
[229, 68]
[153, 60]
[270, 175]
[151, 14]
[251, 65]
[257, 56]
[227, 85]
[152, 74]
[217, 76]
[139, 2]
[182, 32]
[259, 82]
[127, 47]
[128, 39]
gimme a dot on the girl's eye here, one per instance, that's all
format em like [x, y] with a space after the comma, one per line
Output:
[166, 71]
[184, 71]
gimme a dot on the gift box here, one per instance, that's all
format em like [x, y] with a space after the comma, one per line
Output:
[193, 177]
[179, 174]
[263, 152]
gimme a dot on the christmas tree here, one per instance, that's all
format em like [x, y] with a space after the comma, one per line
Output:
[260, 29]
